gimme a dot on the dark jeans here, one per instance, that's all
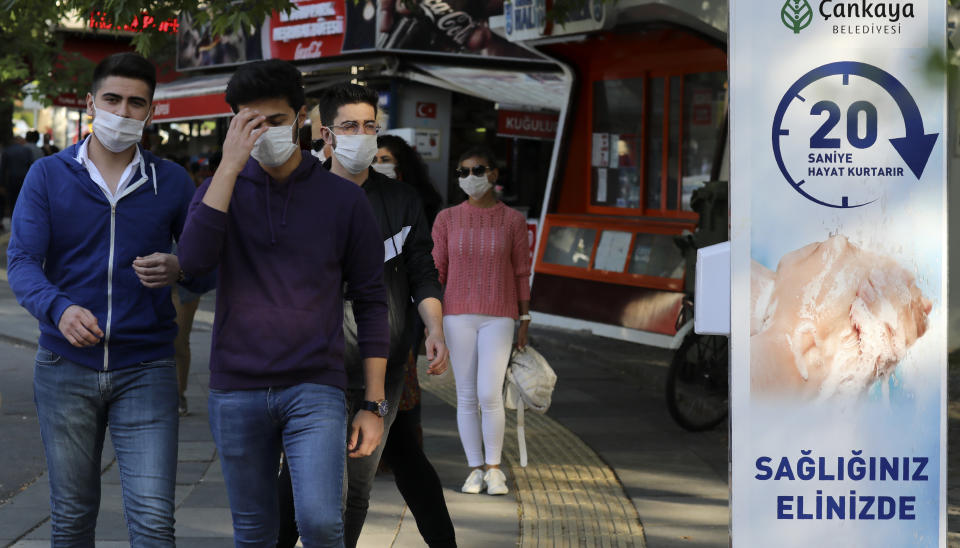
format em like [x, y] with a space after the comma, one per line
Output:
[75, 406]
[418, 481]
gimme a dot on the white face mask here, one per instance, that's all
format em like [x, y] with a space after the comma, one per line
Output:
[276, 146]
[116, 133]
[475, 185]
[355, 152]
[390, 170]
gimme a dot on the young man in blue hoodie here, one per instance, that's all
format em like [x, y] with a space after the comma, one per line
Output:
[89, 256]
[288, 237]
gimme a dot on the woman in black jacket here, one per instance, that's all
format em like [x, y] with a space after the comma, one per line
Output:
[397, 160]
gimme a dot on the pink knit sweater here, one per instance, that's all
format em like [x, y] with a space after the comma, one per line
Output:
[483, 258]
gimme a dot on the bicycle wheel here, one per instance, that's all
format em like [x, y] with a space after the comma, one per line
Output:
[697, 395]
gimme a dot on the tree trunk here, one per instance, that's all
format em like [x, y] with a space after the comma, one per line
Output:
[6, 121]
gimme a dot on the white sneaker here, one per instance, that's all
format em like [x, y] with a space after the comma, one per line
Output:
[496, 482]
[474, 483]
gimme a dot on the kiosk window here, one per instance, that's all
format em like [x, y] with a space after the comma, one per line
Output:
[615, 154]
[612, 251]
[654, 139]
[654, 144]
[656, 255]
[569, 246]
[673, 156]
[703, 99]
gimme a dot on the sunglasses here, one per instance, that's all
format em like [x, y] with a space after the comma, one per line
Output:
[479, 171]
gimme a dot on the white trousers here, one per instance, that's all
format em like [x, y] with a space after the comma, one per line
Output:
[479, 351]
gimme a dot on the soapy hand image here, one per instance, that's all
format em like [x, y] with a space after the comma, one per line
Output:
[832, 319]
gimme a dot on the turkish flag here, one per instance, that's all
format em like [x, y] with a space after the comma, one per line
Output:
[426, 110]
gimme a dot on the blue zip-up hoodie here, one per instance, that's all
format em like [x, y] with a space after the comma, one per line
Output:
[70, 245]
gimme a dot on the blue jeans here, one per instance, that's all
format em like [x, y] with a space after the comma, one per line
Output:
[309, 423]
[75, 406]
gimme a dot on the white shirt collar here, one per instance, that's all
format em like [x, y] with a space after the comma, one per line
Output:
[129, 172]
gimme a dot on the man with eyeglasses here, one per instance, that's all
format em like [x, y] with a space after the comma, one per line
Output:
[287, 236]
[411, 280]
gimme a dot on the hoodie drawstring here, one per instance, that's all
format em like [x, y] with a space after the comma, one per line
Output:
[273, 237]
[286, 202]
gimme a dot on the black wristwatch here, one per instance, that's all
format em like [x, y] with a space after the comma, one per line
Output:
[378, 408]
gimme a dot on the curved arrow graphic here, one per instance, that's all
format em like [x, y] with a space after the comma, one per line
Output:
[915, 147]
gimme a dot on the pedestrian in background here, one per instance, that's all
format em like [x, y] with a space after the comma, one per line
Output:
[483, 256]
[48, 147]
[287, 236]
[398, 160]
[320, 149]
[15, 161]
[33, 137]
[89, 257]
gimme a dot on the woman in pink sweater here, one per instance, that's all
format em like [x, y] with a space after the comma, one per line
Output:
[483, 257]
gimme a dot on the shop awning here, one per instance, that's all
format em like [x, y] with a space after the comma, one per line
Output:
[538, 89]
[194, 98]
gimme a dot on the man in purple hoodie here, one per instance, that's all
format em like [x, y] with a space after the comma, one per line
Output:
[291, 241]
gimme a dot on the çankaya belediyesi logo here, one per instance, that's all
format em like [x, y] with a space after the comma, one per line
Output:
[797, 15]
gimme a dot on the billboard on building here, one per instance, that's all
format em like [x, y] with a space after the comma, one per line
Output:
[839, 301]
[198, 47]
[320, 28]
[455, 27]
[313, 29]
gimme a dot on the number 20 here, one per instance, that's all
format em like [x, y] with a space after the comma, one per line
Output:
[820, 139]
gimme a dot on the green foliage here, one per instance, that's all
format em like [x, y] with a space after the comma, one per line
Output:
[33, 42]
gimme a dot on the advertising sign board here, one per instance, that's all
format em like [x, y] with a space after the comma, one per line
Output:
[839, 282]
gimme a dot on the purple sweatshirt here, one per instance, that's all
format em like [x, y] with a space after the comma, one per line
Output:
[285, 252]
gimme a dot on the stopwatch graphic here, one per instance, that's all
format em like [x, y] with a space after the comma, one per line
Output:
[838, 135]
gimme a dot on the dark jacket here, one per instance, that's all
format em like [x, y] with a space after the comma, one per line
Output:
[70, 246]
[285, 252]
[408, 270]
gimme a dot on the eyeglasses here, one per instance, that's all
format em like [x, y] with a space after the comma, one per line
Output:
[479, 171]
[351, 127]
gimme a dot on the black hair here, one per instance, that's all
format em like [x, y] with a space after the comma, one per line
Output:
[480, 152]
[33, 136]
[412, 171]
[128, 65]
[266, 80]
[341, 94]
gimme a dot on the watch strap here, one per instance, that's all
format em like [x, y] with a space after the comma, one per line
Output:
[373, 407]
